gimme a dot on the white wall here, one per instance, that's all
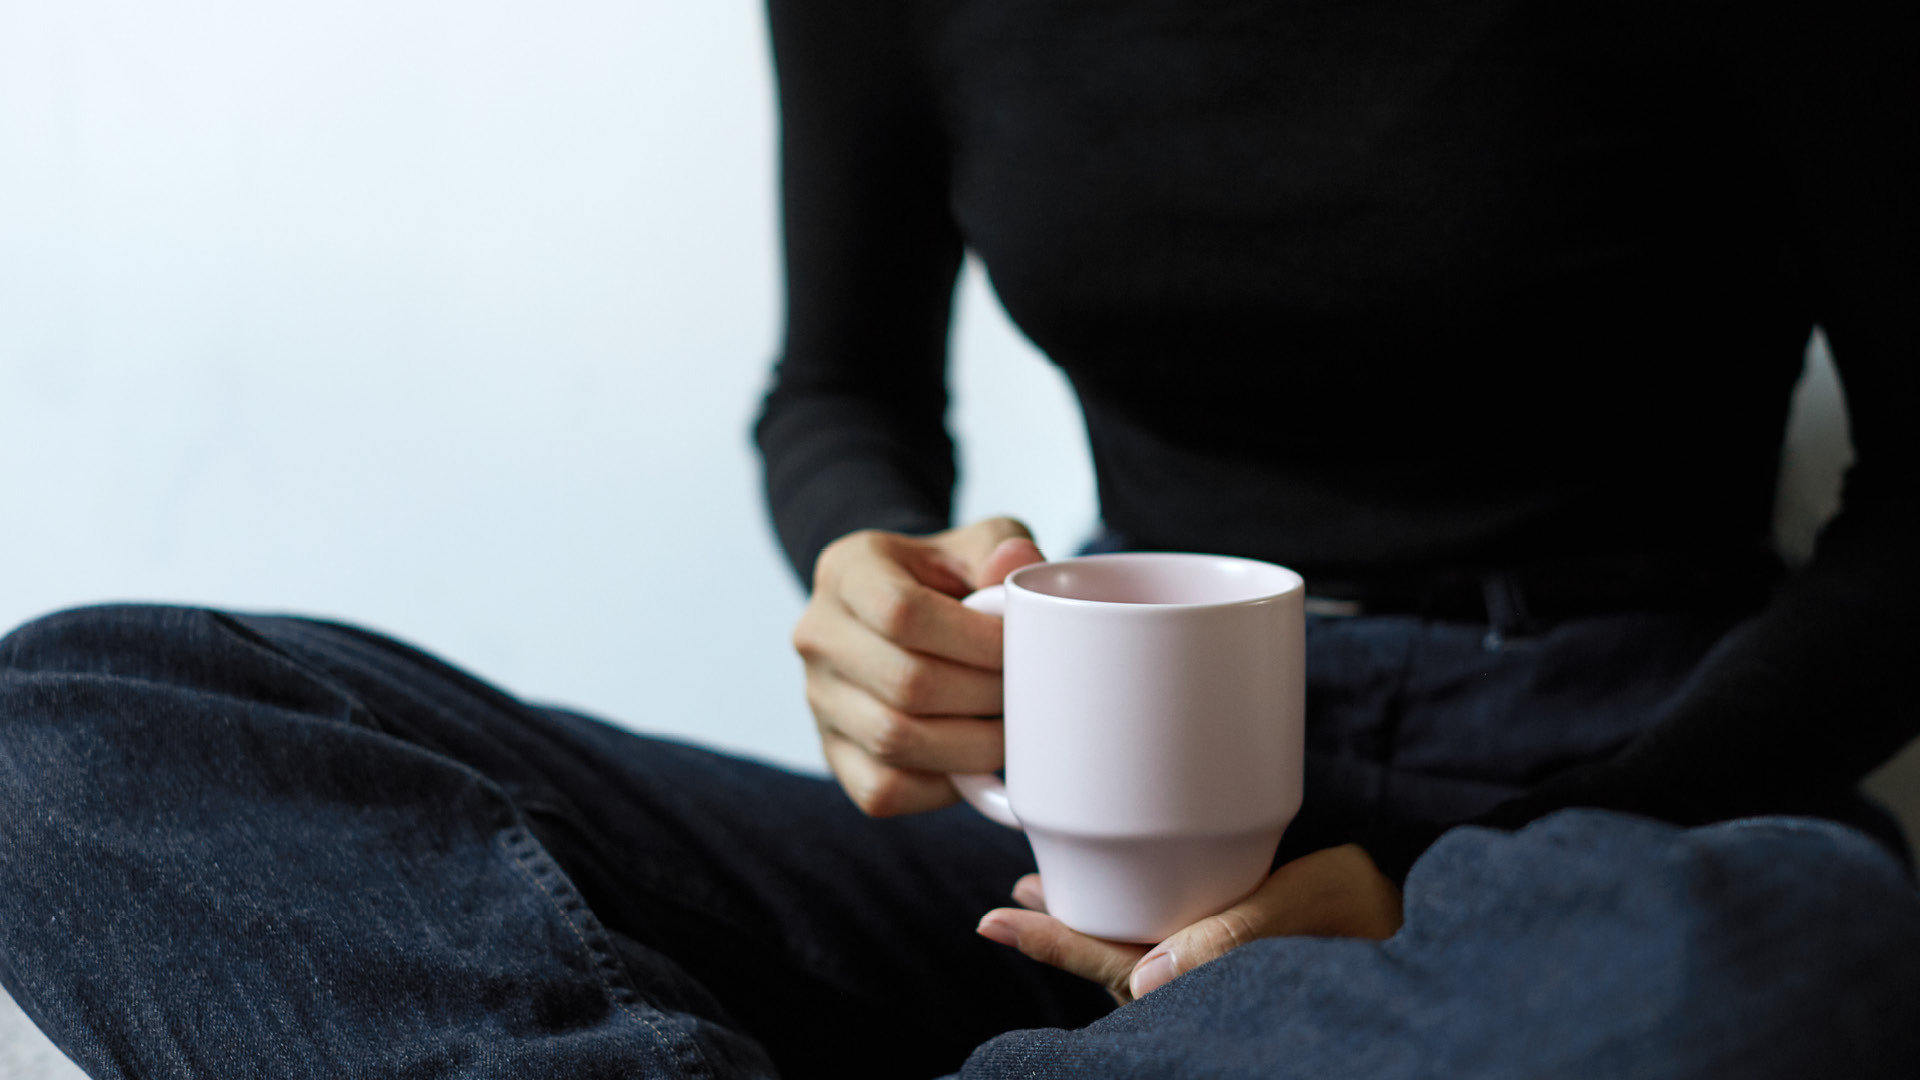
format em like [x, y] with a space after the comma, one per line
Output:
[445, 318]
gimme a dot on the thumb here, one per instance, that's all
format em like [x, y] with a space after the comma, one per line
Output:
[985, 552]
[1208, 939]
[1334, 892]
[1009, 555]
[1295, 899]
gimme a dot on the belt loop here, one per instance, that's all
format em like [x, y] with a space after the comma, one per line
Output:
[1507, 614]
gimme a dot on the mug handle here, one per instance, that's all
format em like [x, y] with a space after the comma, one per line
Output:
[986, 792]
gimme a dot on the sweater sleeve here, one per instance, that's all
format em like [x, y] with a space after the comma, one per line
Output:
[852, 429]
[1797, 704]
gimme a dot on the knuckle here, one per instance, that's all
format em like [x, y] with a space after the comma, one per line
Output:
[1240, 928]
[865, 799]
[806, 636]
[1046, 947]
[895, 738]
[1011, 527]
[1002, 529]
[825, 564]
[866, 544]
[817, 700]
[885, 796]
[901, 613]
[828, 564]
[1229, 930]
[912, 685]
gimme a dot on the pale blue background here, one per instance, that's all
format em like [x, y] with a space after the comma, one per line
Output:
[448, 318]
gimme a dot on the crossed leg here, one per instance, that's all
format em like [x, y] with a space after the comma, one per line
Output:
[243, 846]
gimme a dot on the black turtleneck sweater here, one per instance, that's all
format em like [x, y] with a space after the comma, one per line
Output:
[1386, 288]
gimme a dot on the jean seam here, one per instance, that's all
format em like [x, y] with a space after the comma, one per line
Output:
[525, 850]
[521, 848]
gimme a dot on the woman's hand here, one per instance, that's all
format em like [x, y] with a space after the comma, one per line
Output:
[903, 679]
[1337, 892]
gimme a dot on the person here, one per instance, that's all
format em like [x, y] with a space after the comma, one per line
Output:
[1483, 316]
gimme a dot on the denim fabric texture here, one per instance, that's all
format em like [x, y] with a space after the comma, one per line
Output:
[247, 846]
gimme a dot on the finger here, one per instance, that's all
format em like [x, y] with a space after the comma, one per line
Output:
[912, 682]
[882, 790]
[1335, 892]
[1030, 893]
[892, 603]
[1048, 940]
[892, 737]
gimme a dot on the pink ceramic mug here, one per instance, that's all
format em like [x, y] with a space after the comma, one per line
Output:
[1154, 732]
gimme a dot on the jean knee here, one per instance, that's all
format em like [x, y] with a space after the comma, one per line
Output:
[75, 681]
[100, 639]
[59, 669]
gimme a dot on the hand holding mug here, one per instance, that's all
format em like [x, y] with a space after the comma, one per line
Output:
[903, 680]
[1335, 892]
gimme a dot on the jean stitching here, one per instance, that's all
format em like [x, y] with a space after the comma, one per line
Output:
[519, 842]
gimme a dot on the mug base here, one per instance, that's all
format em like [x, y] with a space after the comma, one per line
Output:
[1142, 889]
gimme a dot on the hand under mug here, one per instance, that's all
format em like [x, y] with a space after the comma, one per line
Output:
[1154, 732]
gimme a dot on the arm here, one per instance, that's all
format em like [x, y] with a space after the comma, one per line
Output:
[903, 681]
[852, 432]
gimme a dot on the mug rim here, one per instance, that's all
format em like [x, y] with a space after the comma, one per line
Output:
[1293, 582]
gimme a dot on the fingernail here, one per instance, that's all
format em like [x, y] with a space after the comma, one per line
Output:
[1152, 972]
[996, 931]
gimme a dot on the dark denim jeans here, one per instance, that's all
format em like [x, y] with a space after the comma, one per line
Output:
[237, 846]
